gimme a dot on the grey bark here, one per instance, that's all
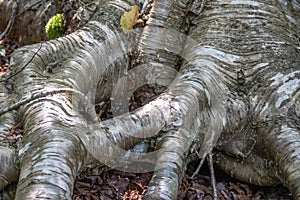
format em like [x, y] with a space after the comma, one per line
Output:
[236, 93]
[9, 172]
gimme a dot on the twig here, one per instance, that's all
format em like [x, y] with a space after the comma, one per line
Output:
[24, 65]
[199, 166]
[212, 175]
[11, 21]
[41, 95]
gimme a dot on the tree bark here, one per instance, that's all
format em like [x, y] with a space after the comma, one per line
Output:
[235, 94]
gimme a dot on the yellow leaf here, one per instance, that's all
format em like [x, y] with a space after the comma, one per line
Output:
[129, 19]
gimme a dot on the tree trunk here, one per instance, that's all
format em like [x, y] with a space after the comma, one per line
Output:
[235, 93]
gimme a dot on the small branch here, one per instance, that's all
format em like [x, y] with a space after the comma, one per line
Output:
[199, 166]
[41, 95]
[212, 175]
[24, 65]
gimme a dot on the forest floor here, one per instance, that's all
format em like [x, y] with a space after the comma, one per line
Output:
[129, 186]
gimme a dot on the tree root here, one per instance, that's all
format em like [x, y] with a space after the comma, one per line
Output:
[204, 105]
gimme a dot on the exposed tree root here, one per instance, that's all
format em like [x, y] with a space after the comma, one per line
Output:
[236, 92]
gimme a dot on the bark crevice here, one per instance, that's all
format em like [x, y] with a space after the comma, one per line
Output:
[229, 76]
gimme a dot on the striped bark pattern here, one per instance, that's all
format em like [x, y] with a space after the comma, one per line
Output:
[249, 50]
[235, 94]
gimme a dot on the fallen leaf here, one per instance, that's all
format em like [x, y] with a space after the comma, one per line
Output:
[129, 19]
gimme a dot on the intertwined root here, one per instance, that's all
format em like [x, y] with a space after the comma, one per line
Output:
[220, 84]
[284, 144]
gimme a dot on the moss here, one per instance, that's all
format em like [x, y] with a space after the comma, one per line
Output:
[55, 27]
